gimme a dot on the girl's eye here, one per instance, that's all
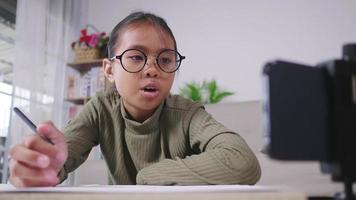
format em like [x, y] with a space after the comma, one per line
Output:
[136, 58]
[165, 61]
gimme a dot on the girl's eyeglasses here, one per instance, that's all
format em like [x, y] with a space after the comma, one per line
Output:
[133, 60]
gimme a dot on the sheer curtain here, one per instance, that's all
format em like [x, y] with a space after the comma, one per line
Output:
[44, 32]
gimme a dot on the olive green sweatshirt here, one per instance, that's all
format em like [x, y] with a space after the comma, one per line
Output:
[180, 144]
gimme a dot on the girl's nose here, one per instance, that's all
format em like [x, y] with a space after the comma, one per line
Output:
[151, 68]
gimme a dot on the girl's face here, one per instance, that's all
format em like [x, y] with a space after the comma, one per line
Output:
[143, 91]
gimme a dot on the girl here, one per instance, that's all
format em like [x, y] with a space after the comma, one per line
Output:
[146, 135]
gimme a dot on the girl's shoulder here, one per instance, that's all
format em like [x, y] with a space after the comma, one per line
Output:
[108, 98]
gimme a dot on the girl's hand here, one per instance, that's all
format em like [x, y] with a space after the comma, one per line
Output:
[37, 162]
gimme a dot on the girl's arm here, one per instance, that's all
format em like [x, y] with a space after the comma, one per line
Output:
[223, 157]
[81, 135]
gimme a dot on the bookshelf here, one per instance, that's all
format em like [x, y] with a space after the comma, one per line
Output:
[85, 65]
[84, 78]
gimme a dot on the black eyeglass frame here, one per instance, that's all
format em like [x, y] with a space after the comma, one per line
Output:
[119, 57]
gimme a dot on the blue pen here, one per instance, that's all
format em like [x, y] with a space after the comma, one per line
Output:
[29, 122]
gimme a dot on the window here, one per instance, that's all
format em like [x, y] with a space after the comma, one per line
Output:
[7, 55]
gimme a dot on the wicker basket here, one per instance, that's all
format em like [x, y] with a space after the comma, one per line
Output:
[81, 54]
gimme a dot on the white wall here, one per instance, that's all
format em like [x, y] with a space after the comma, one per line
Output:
[230, 40]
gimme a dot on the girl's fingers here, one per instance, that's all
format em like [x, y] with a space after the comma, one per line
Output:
[36, 161]
[49, 131]
[29, 157]
[26, 174]
[38, 144]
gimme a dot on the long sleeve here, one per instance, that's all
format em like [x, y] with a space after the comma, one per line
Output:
[220, 157]
[81, 135]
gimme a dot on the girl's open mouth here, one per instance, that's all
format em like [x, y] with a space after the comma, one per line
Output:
[150, 89]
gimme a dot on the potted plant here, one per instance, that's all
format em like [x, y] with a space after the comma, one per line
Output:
[207, 92]
[90, 46]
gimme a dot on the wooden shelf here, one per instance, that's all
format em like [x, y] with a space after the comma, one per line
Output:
[79, 100]
[85, 65]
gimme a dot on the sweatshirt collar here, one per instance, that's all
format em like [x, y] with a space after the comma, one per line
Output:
[146, 127]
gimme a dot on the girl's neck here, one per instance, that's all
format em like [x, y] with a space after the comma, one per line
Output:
[137, 114]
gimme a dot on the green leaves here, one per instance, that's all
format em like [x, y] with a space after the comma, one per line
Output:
[192, 91]
[207, 92]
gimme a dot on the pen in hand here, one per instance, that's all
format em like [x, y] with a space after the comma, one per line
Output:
[29, 122]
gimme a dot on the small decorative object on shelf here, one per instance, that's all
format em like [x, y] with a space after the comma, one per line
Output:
[90, 46]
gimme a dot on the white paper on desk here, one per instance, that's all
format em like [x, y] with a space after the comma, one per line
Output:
[145, 189]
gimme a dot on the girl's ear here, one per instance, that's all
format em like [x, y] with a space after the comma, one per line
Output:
[108, 70]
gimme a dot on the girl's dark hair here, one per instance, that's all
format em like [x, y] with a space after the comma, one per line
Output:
[136, 17]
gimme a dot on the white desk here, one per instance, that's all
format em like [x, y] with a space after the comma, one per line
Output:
[151, 193]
